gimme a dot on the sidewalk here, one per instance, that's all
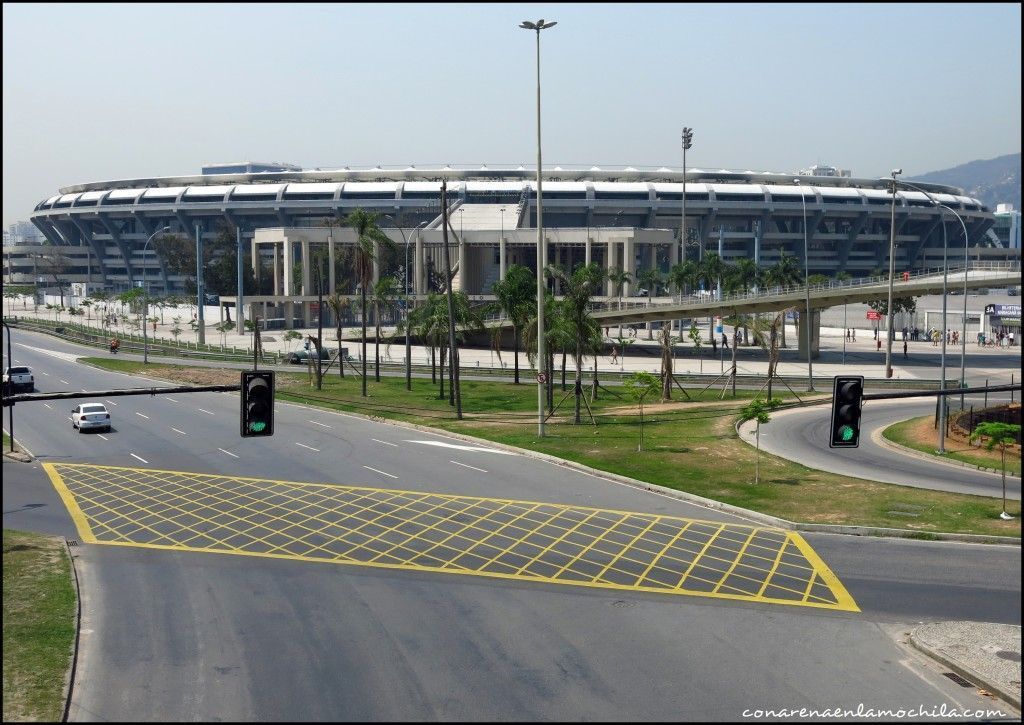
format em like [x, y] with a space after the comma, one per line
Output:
[862, 357]
[987, 655]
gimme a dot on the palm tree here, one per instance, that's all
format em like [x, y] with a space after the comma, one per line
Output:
[338, 303]
[553, 336]
[684, 276]
[649, 278]
[385, 293]
[368, 237]
[516, 299]
[582, 331]
[743, 275]
[784, 273]
[619, 277]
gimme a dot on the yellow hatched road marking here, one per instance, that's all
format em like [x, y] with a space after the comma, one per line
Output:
[387, 528]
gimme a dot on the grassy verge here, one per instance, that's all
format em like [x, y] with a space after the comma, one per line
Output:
[917, 433]
[690, 446]
[39, 626]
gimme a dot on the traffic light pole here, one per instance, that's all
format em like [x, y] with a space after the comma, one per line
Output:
[950, 391]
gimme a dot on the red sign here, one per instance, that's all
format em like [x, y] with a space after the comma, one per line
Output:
[872, 315]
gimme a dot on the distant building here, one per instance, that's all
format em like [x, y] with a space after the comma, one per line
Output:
[23, 233]
[247, 167]
[1007, 226]
[818, 170]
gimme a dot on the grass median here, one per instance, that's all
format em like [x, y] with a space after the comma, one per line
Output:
[920, 434]
[689, 445]
[39, 626]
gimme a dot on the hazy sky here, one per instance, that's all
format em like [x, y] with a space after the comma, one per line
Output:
[97, 92]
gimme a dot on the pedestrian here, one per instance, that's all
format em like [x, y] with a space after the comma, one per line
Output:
[725, 342]
[714, 345]
[878, 344]
[876, 333]
[853, 332]
[615, 355]
[904, 331]
[904, 349]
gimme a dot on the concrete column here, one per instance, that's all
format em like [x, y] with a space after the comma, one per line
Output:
[289, 315]
[307, 314]
[502, 258]
[376, 266]
[307, 287]
[610, 264]
[462, 279]
[588, 248]
[629, 264]
[417, 266]
[673, 255]
[815, 324]
[330, 269]
[286, 273]
[277, 270]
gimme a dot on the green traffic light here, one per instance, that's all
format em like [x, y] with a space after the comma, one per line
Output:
[846, 433]
[257, 427]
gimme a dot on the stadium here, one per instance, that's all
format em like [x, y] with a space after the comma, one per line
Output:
[624, 218]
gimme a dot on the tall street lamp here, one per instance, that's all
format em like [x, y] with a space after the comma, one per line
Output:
[145, 296]
[408, 348]
[687, 144]
[541, 255]
[943, 406]
[807, 292]
[892, 271]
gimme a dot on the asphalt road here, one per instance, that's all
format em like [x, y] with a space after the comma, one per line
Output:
[186, 635]
[801, 435]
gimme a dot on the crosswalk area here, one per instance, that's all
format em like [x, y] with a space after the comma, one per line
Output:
[437, 532]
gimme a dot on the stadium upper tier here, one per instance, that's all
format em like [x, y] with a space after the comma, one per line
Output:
[757, 215]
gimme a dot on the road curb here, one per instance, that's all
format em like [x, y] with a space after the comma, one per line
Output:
[693, 498]
[899, 447]
[964, 670]
[69, 681]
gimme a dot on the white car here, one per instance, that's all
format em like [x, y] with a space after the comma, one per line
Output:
[19, 377]
[91, 416]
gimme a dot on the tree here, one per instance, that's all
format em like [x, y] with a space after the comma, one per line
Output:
[176, 331]
[666, 360]
[582, 331]
[784, 273]
[338, 304]
[683, 276]
[290, 336]
[516, 299]
[899, 304]
[1002, 435]
[694, 335]
[56, 265]
[640, 385]
[619, 277]
[369, 239]
[758, 410]
[766, 333]
[385, 294]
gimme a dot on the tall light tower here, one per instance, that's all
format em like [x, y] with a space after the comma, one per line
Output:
[892, 271]
[687, 143]
[541, 251]
[807, 292]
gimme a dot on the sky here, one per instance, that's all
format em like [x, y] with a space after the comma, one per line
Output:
[95, 92]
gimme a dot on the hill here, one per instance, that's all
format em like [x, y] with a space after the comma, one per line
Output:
[993, 181]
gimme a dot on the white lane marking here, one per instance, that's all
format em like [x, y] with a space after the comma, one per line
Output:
[111, 402]
[52, 353]
[320, 424]
[17, 362]
[48, 406]
[171, 399]
[204, 411]
[178, 431]
[469, 466]
[46, 374]
[309, 447]
[228, 452]
[102, 436]
[142, 414]
[140, 458]
[64, 381]
[462, 448]
[380, 472]
[384, 442]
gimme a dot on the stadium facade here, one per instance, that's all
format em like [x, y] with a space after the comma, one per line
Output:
[621, 217]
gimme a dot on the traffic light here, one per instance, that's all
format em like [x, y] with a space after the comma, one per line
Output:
[257, 403]
[847, 394]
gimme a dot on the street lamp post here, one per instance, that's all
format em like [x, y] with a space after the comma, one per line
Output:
[687, 140]
[541, 256]
[892, 271]
[408, 347]
[943, 405]
[145, 296]
[807, 292]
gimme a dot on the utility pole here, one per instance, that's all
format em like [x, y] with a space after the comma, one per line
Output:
[239, 301]
[200, 292]
[453, 353]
